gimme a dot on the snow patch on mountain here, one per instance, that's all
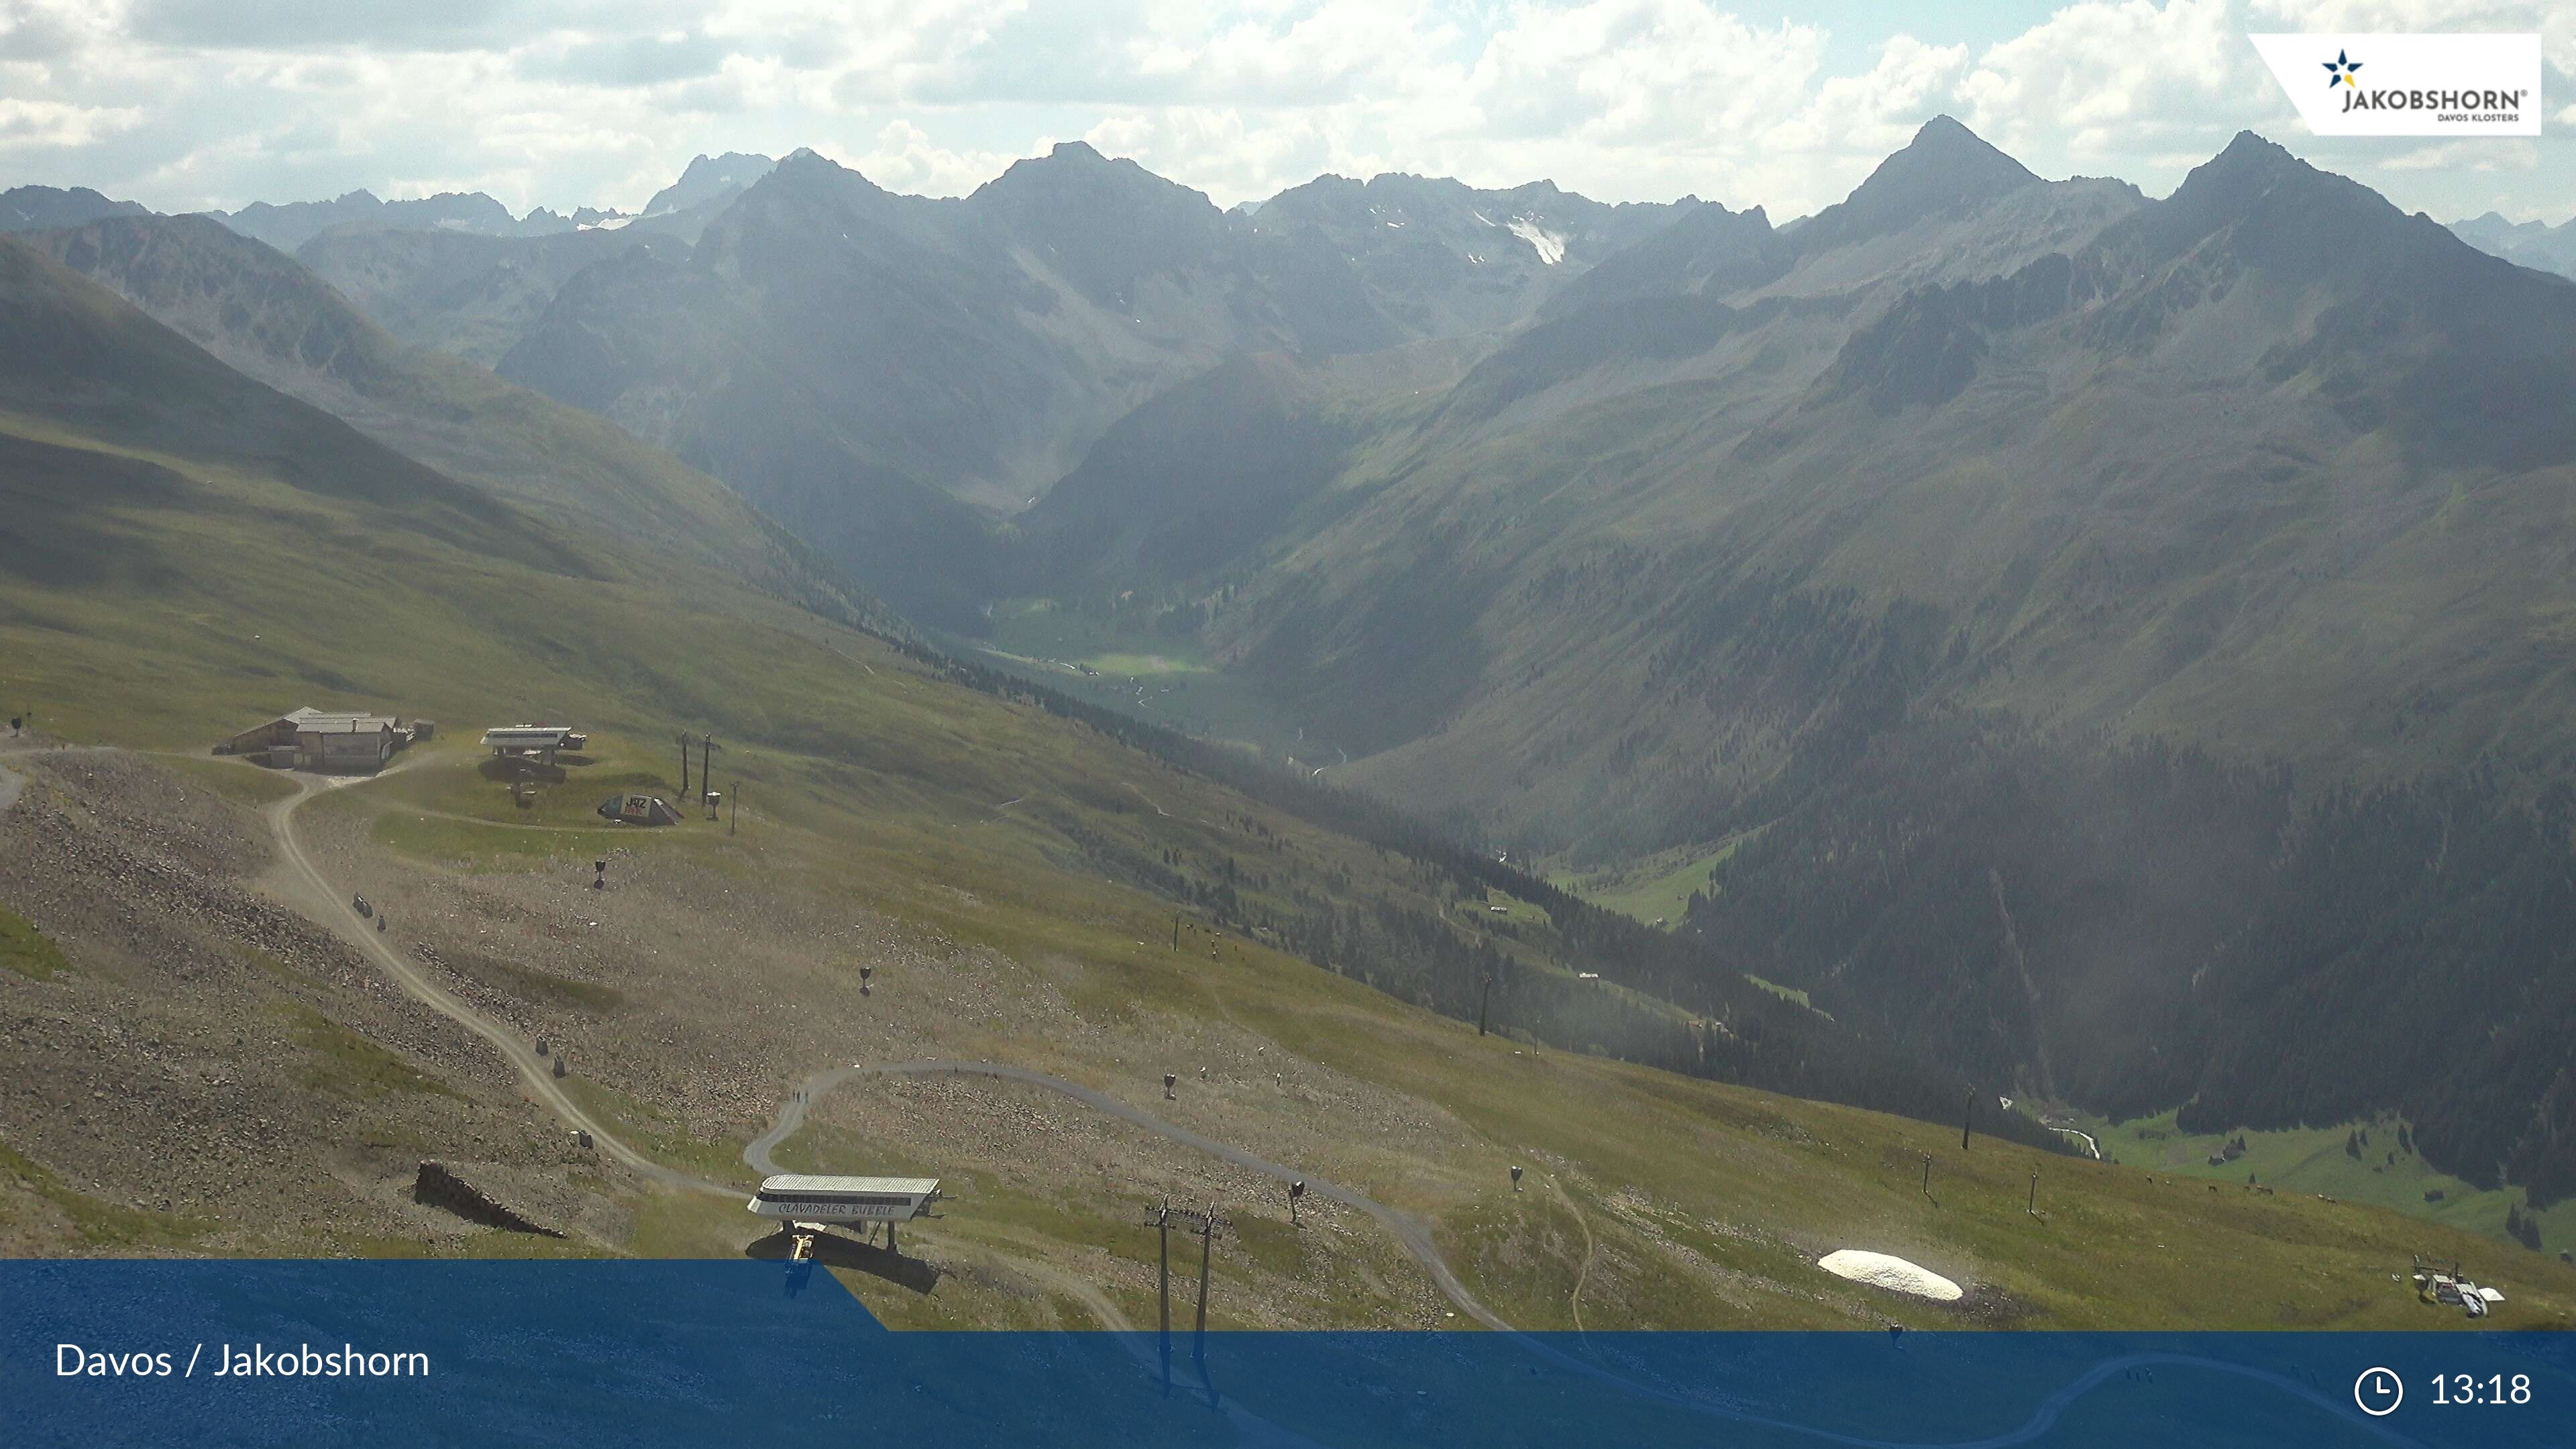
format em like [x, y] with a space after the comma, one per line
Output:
[1549, 246]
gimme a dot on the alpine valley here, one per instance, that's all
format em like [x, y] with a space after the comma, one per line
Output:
[1995, 636]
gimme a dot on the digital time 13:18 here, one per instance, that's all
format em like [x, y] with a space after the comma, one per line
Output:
[2470, 1389]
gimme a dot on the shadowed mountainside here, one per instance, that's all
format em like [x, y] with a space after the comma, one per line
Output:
[1983, 482]
[876, 369]
[274, 320]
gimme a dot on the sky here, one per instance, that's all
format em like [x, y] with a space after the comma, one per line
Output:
[192, 104]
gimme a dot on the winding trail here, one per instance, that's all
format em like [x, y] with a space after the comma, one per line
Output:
[314, 896]
[323, 906]
[319, 901]
[760, 1154]
[1584, 1272]
[1407, 1231]
[309, 894]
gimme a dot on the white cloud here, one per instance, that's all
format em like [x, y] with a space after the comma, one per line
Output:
[1876, 112]
[57, 123]
[904, 158]
[1239, 156]
[189, 103]
[40, 30]
[2096, 79]
[1337, 50]
[1636, 71]
[2479, 155]
[2553, 20]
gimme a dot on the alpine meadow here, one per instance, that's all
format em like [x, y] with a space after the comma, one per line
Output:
[1997, 754]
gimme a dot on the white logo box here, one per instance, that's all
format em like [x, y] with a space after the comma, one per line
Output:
[2409, 85]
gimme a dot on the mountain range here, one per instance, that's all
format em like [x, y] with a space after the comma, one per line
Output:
[473, 213]
[34, 208]
[2025, 605]
[1860, 559]
[707, 186]
[2534, 244]
[883, 373]
[273, 321]
[185, 538]
[889, 375]
[199, 1065]
[2130, 458]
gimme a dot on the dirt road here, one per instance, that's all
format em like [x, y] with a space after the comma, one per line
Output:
[1406, 1230]
[308, 891]
[791, 1115]
[313, 895]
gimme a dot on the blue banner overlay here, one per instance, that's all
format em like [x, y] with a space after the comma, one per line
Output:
[721, 1353]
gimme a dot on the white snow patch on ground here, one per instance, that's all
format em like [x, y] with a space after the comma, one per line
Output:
[1879, 1270]
[2092, 1148]
[1549, 246]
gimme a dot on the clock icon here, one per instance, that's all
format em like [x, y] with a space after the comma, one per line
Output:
[2378, 1391]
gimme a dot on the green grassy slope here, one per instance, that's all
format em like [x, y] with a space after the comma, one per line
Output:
[1705, 1204]
[195, 585]
[2143, 468]
[1125, 666]
[2387, 1173]
[1657, 888]
[263, 313]
[2265, 472]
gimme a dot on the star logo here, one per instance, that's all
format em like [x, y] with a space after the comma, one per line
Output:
[2339, 71]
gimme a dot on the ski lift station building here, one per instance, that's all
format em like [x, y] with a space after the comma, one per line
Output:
[336, 741]
[534, 741]
[800, 1198]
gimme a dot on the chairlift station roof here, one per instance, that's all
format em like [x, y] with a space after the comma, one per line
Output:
[803, 1197]
[529, 734]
